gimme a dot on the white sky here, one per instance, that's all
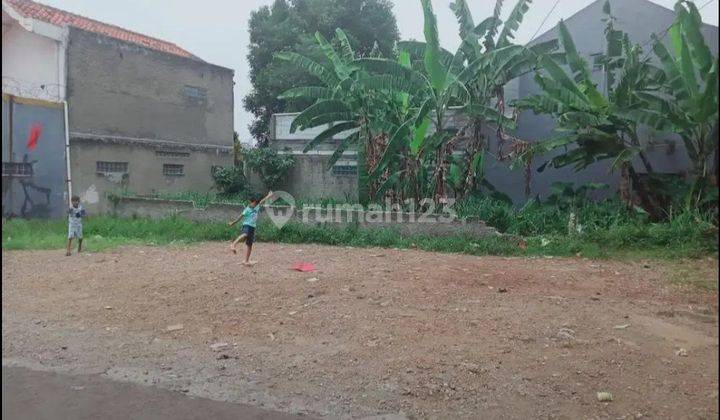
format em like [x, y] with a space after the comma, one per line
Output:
[216, 30]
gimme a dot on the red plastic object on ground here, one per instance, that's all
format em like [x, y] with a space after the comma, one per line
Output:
[304, 267]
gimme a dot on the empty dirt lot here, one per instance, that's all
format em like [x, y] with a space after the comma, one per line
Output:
[373, 331]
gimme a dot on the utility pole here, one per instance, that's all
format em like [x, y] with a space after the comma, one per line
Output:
[11, 100]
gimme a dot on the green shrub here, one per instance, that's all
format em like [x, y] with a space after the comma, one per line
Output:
[229, 181]
[271, 167]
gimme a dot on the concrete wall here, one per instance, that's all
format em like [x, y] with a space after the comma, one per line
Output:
[403, 223]
[131, 104]
[42, 193]
[310, 179]
[122, 89]
[32, 64]
[145, 168]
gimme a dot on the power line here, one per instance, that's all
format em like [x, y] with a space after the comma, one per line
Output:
[666, 30]
[544, 20]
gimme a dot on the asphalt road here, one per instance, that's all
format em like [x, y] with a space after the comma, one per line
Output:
[33, 395]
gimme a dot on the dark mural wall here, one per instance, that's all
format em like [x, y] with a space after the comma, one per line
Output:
[34, 175]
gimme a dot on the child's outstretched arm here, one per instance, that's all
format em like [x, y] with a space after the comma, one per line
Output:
[234, 222]
[267, 197]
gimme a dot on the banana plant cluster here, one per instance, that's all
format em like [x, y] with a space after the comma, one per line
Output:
[599, 126]
[687, 103]
[679, 97]
[349, 100]
[399, 107]
[395, 111]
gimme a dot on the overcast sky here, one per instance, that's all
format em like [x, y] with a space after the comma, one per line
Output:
[217, 31]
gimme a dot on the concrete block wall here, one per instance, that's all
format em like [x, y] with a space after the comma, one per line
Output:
[128, 104]
[145, 169]
[123, 89]
[309, 179]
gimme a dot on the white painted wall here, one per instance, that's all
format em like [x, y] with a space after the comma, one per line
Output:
[282, 128]
[32, 64]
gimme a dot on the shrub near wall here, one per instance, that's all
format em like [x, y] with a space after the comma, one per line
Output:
[269, 165]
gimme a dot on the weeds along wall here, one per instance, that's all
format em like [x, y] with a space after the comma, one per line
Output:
[404, 223]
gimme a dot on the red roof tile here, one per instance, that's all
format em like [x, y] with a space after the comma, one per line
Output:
[31, 9]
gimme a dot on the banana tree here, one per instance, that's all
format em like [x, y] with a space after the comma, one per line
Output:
[414, 159]
[687, 104]
[499, 61]
[468, 81]
[591, 126]
[343, 104]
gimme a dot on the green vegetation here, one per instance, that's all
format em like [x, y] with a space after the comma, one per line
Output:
[272, 167]
[290, 26]
[230, 181]
[680, 97]
[397, 107]
[605, 230]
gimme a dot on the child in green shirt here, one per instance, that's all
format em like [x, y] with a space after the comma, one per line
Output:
[249, 217]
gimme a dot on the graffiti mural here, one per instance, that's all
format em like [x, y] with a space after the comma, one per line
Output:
[33, 167]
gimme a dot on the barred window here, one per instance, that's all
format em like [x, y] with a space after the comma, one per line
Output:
[597, 61]
[111, 167]
[173, 170]
[171, 154]
[344, 170]
[195, 95]
[20, 169]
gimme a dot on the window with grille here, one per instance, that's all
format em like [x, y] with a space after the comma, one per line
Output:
[19, 169]
[173, 170]
[111, 167]
[598, 61]
[171, 154]
[195, 95]
[344, 170]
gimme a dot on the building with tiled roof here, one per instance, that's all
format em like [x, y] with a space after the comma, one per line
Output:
[51, 15]
[91, 108]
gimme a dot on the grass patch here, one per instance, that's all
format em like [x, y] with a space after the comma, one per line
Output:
[107, 232]
[683, 237]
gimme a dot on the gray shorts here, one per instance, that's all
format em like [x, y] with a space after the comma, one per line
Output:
[75, 231]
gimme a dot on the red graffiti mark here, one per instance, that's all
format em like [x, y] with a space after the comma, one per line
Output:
[35, 132]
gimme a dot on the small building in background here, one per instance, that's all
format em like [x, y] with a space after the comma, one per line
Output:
[143, 115]
[310, 177]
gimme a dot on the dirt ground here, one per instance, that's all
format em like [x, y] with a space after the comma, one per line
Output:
[373, 331]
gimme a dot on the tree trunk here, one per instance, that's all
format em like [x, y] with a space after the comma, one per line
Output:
[645, 198]
[716, 142]
[646, 163]
[439, 174]
[476, 146]
[714, 181]
[624, 187]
